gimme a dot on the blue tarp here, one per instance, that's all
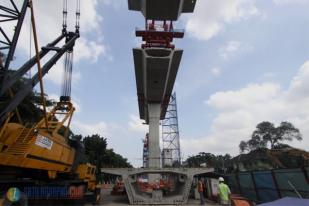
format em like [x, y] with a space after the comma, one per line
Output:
[288, 201]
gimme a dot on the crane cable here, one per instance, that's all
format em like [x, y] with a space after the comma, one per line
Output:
[38, 62]
[30, 49]
[65, 15]
[68, 62]
[67, 77]
[77, 21]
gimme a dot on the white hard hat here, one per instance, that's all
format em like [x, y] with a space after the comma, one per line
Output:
[221, 179]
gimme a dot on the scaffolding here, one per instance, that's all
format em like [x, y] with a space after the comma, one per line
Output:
[170, 136]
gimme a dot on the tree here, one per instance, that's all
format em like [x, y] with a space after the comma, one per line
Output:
[243, 146]
[112, 159]
[267, 134]
[201, 158]
[220, 162]
[30, 108]
[95, 148]
[97, 154]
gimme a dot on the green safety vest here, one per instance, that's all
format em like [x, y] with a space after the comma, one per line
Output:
[223, 192]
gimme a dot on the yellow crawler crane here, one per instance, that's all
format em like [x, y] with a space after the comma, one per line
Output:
[39, 147]
[41, 160]
[46, 153]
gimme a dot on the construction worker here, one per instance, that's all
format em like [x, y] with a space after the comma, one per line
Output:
[224, 193]
[200, 189]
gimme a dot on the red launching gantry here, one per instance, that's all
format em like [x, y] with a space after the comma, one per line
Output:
[159, 16]
[159, 34]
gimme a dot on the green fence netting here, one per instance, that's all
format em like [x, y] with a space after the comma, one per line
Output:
[247, 186]
[292, 182]
[266, 186]
[233, 183]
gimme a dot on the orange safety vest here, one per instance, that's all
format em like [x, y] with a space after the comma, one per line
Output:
[200, 186]
[241, 203]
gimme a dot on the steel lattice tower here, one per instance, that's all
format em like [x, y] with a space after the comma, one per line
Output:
[170, 136]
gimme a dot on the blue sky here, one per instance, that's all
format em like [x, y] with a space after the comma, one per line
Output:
[245, 61]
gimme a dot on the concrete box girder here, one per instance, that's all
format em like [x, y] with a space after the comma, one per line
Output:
[155, 72]
[162, 9]
[178, 197]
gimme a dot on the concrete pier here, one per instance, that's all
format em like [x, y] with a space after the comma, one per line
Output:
[154, 140]
[154, 144]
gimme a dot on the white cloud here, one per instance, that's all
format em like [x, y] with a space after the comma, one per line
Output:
[216, 71]
[113, 3]
[90, 19]
[90, 128]
[300, 85]
[136, 124]
[251, 93]
[232, 48]
[210, 16]
[285, 2]
[87, 49]
[239, 111]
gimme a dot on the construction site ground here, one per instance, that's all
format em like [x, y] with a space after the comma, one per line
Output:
[109, 200]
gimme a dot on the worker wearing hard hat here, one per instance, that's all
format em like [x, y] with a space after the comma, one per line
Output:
[223, 193]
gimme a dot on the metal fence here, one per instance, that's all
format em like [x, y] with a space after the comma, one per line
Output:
[266, 186]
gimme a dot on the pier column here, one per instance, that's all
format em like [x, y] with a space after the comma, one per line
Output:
[154, 139]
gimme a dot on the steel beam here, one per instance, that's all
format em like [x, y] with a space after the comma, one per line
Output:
[14, 41]
[27, 66]
[21, 94]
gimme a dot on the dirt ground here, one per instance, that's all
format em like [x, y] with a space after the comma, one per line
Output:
[109, 200]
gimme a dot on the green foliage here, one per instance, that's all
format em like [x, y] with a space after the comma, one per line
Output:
[95, 148]
[219, 162]
[30, 108]
[113, 159]
[98, 154]
[267, 134]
